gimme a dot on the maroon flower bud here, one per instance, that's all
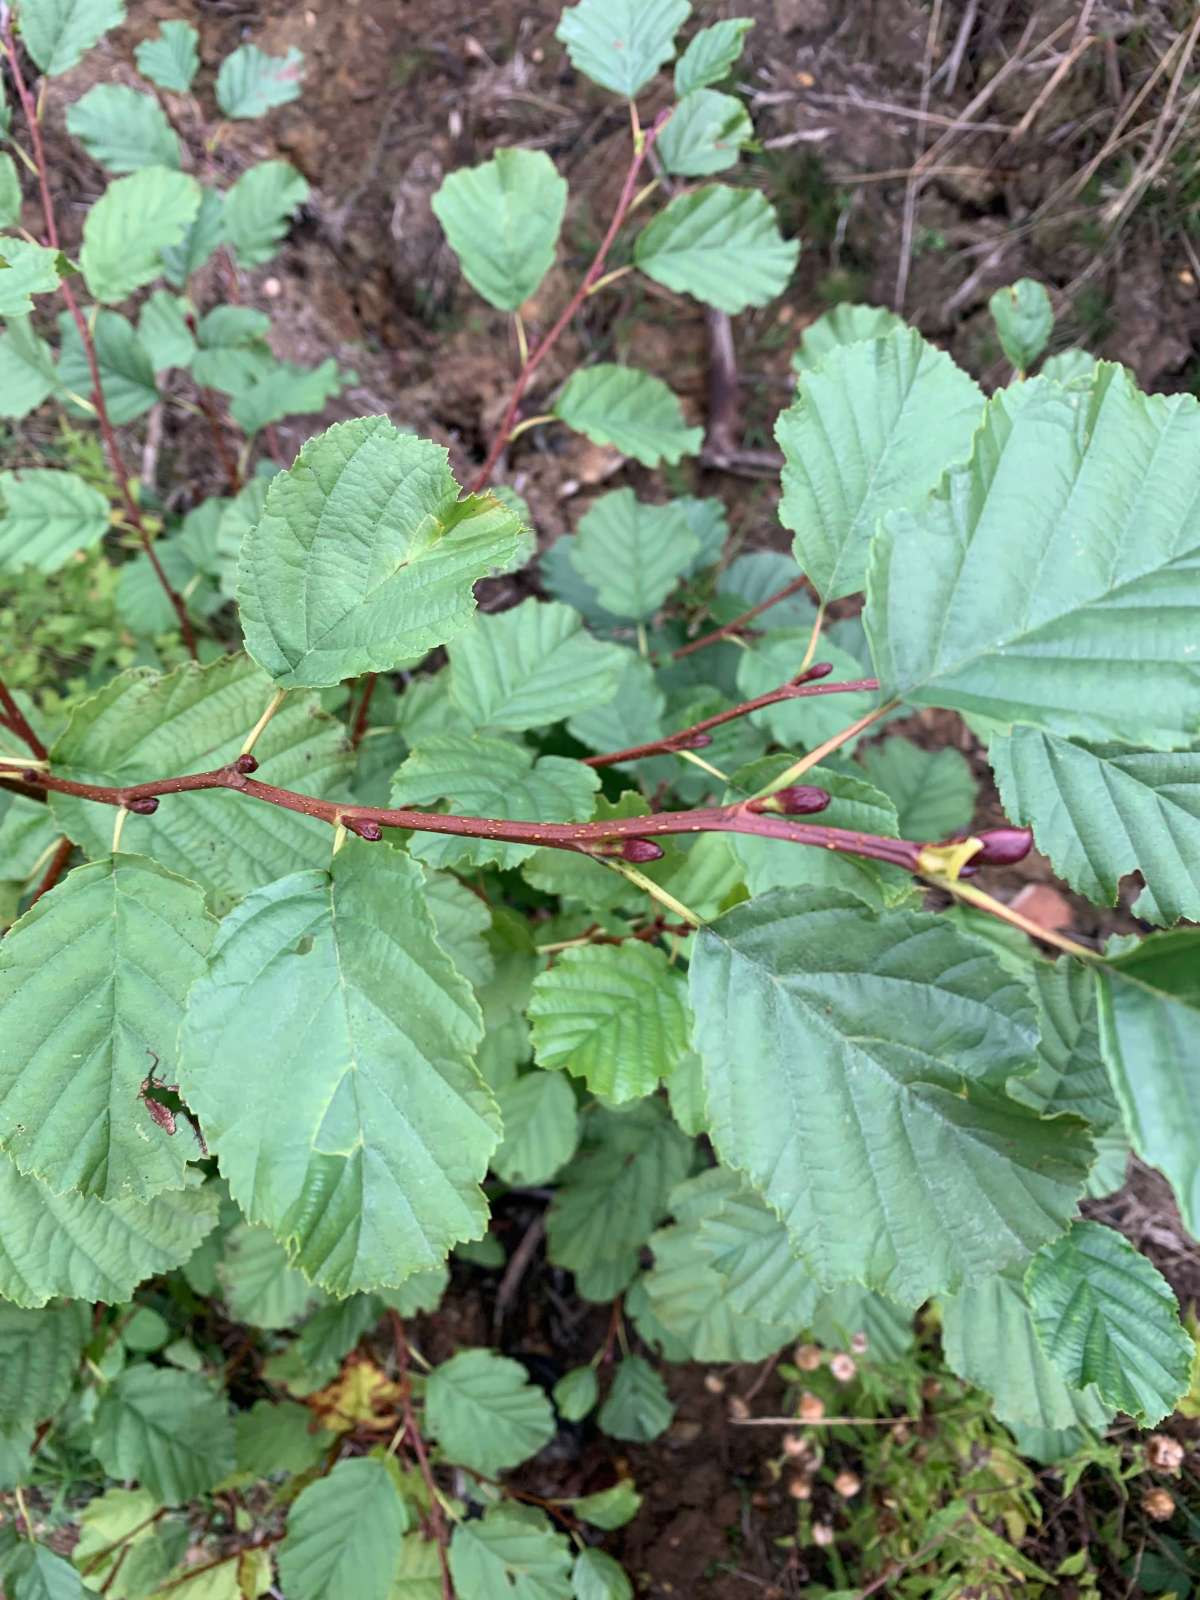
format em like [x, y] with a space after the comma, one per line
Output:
[797, 800]
[31, 775]
[697, 741]
[640, 851]
[365, 828]
[1003, 846]
[819, 669]
[246, 763]
[145, 807]
[969, 871]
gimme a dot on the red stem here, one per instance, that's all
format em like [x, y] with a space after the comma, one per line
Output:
[54, 871]
[413, 1433]
[220, 444]
[16, 720]
[364, 705]
[739, 623]
[539, 353]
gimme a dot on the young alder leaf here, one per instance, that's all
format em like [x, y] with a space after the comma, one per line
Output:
[123, 130]
[39, 1573]
[845, 324]
[503, 220]
[705, 134]
[27, 375]
[530, 666]
[47, 516]
[872, 429]
[485, 1413]
[462, 922]
[129, 227]
[235, 521]
[621, 44]
[749, 1247]
[172, 59]
[596, 1576]
[541, 1128]
[26, 269]
[719, 244]
[615, 1016]
[1106, 1315]
[707, 520]
[262, 1288]
[284, 390]
[1070, 366]
[169, 1430]
[712, 54]
[989, 1338]
[368, 1168]
[344, 1534]
[59, 33]
[511, 1551]
[632, 410]
[93, 981]
[933, 791]
[163, 332]
[142, 725]
[564, 582]
[259, 207]
[758, 575]
[637, 1407]
[632, 716]
[250, 83]
[1101, 811]
[126, 368]
[609, 1508]
[1069, 1073]
[40, 1352]
[577, 1391]
[1024, 320]
[774, 658]
[999, 596]
[120, 1525]
[808, 999]
[365, 556]
[202, 237]
[278, 1436]
[633, 553]
[233, 350]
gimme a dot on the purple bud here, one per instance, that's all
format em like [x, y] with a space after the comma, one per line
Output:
[246, 763]
[819, 669]
[797, 800]
[1003, 846]
[145, 807]
[969, 871]
[640, 851]
[697, 741]
[364, 827]
[31, 775]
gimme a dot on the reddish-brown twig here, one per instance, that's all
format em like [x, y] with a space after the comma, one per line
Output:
[412, 1432]
[225, 456]
[16, 719]
[359, 727]
[739, 623]
[54, 871]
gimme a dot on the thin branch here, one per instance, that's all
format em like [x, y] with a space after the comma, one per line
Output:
[15, 719]
[815, 757]
[358, 731]
[738, 623]
[413, 1432]
[54, 871]
[225, 456]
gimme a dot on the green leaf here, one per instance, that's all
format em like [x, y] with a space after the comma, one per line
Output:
[485, 1413]
[845, 324]
[1101, 811]
[259, 208]
[1069, 1074]
[491, 777]
[933, 791]
[278, 1436]
[746, 1243]
[368, 1169]
[163, 332]
[711, 54]
[759, 574]
[27, 376]
[614, 1015]
[1024, 321]
[365, 556]
[202, 237]
[93, 981]
[126, 370]
[117, 1529]
[418, 1575]
[637, 1407]
[141, 725]
[236, 519]
[634, 553]
[705, 134]
[872, 429]
[1052, 580]
[123, 130]
[1106, 1315]
[807, 999]
[510, 1551]
[1070, 366]
[529, 666]
[169, 1430]
[59, 33]
[172, 59]
[25, 269]
[285, 390]
[541, 1128]
[250, 83]
[129, 227]
[613, 1194]
[233, 351]
[261, 1286]
[333, 1331]
[772, 660]
[141, 602]
[47, 517]
[577, 1391]
[632, 410]
[609, 1508]
[596, 1576]
[41, 1574]
[462, 922]
[40, 1352]
[633, 715]
[344, 1534]
[503, 220]
[850, 1311]
[10, 193]
[621, 44]
[719, 244]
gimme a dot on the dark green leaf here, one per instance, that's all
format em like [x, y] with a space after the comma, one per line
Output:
[169, 1430]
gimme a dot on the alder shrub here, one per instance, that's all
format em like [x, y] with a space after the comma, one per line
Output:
[349, 906]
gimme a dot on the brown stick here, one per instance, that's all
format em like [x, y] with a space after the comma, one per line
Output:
[359, 728]
[54, 871]
[413, 1433]
[15, 719]
[228, 461]
[739, 623]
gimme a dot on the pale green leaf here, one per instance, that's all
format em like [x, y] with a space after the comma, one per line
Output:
[40, 1352]
[233, 351]
[25, 269]
[705, 134]
[614, 1015]
[845, 324]
[637, 1407]
[850, 1314]
[872, 429]
[503, 220]
[119, 1526]
[719, 244]
[10, 193]
[283, 390]
[462, 922]
[344, 1534]
[1106, 1316]
[1070, 366]
[169, 1430]
[708, 521]
[711, 54]
[632, 716]
[142, 603]
[485, 1413]
[368, 1166]
[1024, 320]
[202, 237]
[1101, 811]
[42, 1574]
[561, 580]
[621, 44]
[632, 410]
[123, 130]
[365, 556]
[1069, 1074]
[141, 725]
[418, 1574]
[261, 1286]
[746, 1243]
[250, 83]
[236, 519]
[596, 1576]
[541, 1128]
[576, 1392]
[93, 981]
[259, 207]
[609, 1508]
[48, 516]
[933, 791]
[888, 1040]
[163, 332]
[580, 877]
[59, 33]
[510, 1551]
[632, 552]
[1054, 579]
[126, 369]
[685, 1093]
[27, 376]
[172, 59]
[129, 227]
[758, 575]
[530, 666]
[772, 660]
